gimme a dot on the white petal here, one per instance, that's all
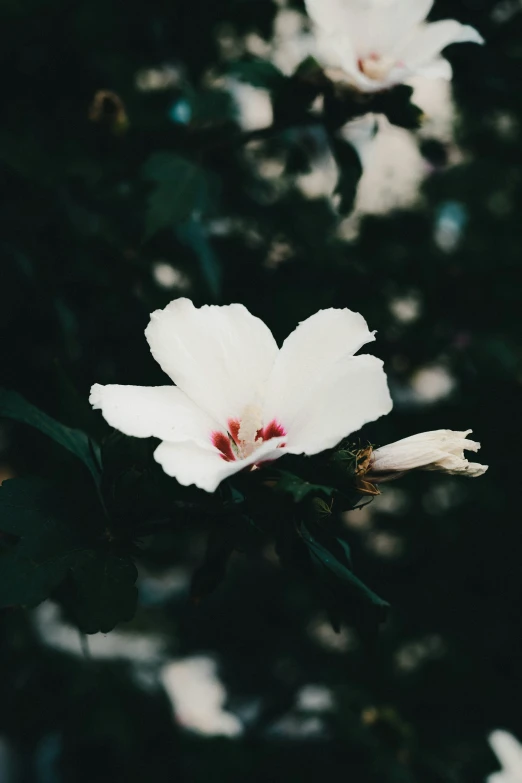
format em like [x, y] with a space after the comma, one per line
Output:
[392, 21]
[190, 464]
[317, 343]
[436, 69]
[318, 391]
[458, 466]
[330, 15]
[410, 12]
[308, 353]
[433, 435]
[220, 357]
[351, 394]
[430, 39]
[337, 52]
[508, 751]
[437, 450]
[153, 411]
[374, 26]
[400, 457]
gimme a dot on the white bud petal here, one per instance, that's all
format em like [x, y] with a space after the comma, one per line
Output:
[441, 450]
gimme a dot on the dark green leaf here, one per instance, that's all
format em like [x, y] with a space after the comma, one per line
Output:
[208, 576]
[346, 597]
[29, 571]
[14, 406]
[106, 591]
[193, 235]
[258, 73]
[51, 546]
[350, 171]
[397, 106]
[180, 190]
[298, 488]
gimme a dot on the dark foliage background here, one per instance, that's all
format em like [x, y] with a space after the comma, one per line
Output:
[96, 193]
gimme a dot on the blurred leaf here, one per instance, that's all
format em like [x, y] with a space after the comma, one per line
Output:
[193, 235]
[350, 172]
[14, 406]
[51, 545]
[180, 191]
[208, 576]
[106, 591]
[397, 106]
[258, 73]
[211, 107]
[32, 510]
[298, 160]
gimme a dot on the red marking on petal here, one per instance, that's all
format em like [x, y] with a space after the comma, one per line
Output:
[222, 443]
[233, 428]
[272, 430]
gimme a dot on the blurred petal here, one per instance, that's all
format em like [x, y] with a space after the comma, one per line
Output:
[220, 357]
[436, 69]
[332, 16]
[190, 464]
[336, 51]
[153, 411]
[372, 25]
[428, 42]
[509, 753]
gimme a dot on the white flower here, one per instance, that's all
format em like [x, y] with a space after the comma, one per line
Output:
[239, 400]
[509, 753]
[438, 450]
[380, 43]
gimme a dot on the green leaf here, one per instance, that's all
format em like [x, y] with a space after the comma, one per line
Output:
[397, 106]
[347, 595]
[180, 190]
[258, 73]
[350, 171]
[106, 591]
[211, 573]
[298, 488]
[53, 544]
[193, 235]
[14, 406]
[29, 571]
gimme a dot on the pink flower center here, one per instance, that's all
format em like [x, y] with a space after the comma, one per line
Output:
[241, 440]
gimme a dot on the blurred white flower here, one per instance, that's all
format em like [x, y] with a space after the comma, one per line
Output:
[380, 43]
[167, 276]
[509, 753]
[441, 450]
[198, 697]
[431, 383]
[239, 400]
